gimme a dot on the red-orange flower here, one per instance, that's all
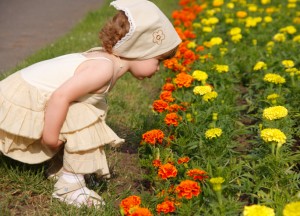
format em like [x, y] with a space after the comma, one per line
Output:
[200, 48]
[175, 108]
[172, 119]
[156, 163]
[153, 136]
[188, 189]
[166, 207]
[160, 105]
[169, 87]
[183, 80]
[189, 57]
[183, 160]
[141, 212]
[197, 174]
[129, 203]
[166, 96]
[173, 64]
[167, 171]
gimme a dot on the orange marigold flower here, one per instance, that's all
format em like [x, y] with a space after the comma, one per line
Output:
[166, 96]
[129, 203]
[200, 48]
[167, 171]
[183, 80]
[153, 136]
[175, 108]
[165, 207]
[183, 160]
[160, 105]
[189, 34]
[189, 57]
[197, 174]
[156, 163]
[173, 64]
[169, 87]
[241, 14]
[141, 212]
[172, 119]
[188, 189]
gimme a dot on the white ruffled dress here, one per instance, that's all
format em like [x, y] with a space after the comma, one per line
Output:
[23, 98]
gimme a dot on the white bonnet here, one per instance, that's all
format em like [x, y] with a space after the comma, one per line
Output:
[151, 33]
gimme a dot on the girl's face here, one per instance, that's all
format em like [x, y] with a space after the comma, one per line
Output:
[141, 69]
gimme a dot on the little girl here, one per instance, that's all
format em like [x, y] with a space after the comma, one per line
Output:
[60, 103]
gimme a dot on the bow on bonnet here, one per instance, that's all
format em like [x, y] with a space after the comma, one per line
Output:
[151, 33]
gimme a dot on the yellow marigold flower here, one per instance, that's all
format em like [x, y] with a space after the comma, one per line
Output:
[264, 2]
[260, 210]
[213, 20]
[210, 96]
[223, 50]
[273, 135]
[291, 5]
[236, 38]
[272, 96]
[218, 3]
[221, 68]
[252, 7]
[291, 70]
[270, 44]
[279, 37]
[205, 21]
[216, 41]
[207, 29]
[230, 5]
[191, 44]
[268, 19]
[197, 25]
[200, 75]
[229, 20]
[189, 117]
[258, 19]
[296, 38]
[296, 20]
[274, 78]
[241, 14]
[211, 12]
[217, 183]
[292, 209]
[289, 30]
[251, 22]
[260, 65]
[275, 112]
[235, 31]
[202, 90]
[213, 133]
[288, 63]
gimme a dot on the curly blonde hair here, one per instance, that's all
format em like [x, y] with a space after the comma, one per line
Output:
[115, 29]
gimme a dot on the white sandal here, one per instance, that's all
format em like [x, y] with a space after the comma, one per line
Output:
[64, 191]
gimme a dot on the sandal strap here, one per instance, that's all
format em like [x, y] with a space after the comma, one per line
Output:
[62, 187]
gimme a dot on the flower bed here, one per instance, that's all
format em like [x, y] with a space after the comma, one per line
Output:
[227, 133]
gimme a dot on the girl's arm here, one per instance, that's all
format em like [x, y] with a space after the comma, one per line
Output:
[90, 76]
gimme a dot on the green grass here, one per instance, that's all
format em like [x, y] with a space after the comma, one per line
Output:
[23, 188]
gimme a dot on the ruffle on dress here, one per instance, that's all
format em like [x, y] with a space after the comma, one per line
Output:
[22, 109]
